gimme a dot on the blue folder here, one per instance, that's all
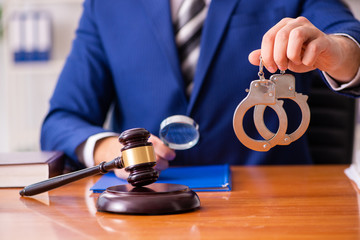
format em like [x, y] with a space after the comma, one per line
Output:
[197, 178]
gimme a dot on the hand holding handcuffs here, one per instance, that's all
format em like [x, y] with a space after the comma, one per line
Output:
[266, 93]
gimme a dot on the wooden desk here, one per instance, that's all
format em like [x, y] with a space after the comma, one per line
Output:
[286, 202]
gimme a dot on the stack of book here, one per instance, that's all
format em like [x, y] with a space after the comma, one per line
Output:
[19, 169]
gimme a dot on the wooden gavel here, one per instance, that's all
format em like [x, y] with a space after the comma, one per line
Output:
[138, 158]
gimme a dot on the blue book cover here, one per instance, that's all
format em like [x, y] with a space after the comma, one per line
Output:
[197, 178]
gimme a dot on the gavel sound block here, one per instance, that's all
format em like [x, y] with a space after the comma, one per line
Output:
[157, 198]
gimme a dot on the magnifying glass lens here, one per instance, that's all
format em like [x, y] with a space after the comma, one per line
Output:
[179, 132]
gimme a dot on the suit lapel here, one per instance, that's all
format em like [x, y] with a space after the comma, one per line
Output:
[214, 27]
[160, 19]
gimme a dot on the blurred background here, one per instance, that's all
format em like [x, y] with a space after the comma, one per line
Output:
[35, 38]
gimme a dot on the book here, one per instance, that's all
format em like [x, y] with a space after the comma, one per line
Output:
[19, 169]
[197, 178]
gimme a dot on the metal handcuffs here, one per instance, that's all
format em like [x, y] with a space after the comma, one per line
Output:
[266, 93]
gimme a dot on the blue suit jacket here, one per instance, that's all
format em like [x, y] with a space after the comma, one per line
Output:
[124, 55]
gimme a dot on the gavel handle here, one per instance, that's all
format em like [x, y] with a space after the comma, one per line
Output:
[61, 180]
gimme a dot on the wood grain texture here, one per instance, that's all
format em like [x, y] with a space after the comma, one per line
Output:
[267, 202]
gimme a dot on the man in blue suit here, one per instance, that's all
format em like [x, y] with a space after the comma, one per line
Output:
[125, 56]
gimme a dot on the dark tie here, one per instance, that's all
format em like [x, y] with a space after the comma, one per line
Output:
[188, 24]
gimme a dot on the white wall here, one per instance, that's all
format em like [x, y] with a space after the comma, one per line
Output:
[3, 122]
[355, 7]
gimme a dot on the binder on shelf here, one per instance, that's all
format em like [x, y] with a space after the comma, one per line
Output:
[197, 178]
[31, 35]
[44, 36]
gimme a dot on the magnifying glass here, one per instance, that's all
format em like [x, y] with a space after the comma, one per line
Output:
[179, 132]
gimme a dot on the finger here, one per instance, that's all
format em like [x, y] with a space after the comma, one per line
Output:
[121, 173]
[299, 68]
[297, 39]
[267, 45]
[313, 51]
[161, 149]
[161, 164]
[296, 31]
[280, 48]
[254, 57]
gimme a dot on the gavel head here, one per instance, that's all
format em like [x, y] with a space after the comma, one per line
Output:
[138, 157]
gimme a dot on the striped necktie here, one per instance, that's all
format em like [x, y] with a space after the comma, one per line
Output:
[188, 24]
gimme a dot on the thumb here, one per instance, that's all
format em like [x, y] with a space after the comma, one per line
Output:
[254, 57]
[161, 150]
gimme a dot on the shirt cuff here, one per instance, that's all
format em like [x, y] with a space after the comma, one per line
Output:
[338, 87]
[85, 152]
[335, 85]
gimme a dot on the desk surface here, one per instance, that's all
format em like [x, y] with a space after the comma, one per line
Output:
[282, 202]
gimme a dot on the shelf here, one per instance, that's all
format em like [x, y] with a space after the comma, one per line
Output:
[36, 68]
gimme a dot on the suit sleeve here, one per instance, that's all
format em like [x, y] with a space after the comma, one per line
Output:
[83, 94]
[333, 17]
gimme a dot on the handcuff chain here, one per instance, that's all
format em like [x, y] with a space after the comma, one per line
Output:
[261, 69]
